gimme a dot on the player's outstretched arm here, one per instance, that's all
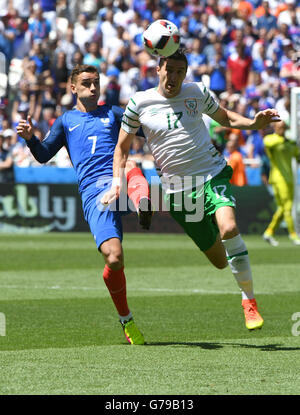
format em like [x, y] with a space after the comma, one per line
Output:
[44, 150]
[120, 158]
[234, 120]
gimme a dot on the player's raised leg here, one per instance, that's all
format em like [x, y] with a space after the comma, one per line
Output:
[238, 260]
[114, 278]
[139, 194]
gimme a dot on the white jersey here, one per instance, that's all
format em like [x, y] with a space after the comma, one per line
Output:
[176, 134]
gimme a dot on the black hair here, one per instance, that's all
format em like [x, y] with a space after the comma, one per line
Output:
[179, 55]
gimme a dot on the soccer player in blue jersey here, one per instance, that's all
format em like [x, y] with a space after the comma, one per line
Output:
[90, 134]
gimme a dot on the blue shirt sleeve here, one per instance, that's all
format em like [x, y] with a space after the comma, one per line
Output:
[44, 150]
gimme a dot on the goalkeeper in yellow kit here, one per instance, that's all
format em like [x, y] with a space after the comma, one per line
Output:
[281, 153]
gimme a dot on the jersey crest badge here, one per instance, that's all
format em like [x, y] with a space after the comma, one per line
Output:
[191, 105]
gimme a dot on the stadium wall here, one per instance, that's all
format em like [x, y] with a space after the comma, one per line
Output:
[44, 207]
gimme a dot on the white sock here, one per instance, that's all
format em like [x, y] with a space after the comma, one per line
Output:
[125, 318]
[238, 260]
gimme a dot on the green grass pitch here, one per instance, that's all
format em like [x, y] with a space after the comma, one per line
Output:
[62, 335]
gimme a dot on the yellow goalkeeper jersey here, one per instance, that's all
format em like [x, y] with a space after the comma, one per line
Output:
[280, 152]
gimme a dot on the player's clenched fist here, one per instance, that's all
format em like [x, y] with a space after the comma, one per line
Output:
[25, 128]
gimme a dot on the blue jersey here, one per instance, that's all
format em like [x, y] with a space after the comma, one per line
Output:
[90, 139]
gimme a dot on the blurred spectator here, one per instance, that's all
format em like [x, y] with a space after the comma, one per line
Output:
[39, 56]
[237, 137]
[107, 5]
[3, 115]
[149, 79]
[22, 39]
[6, 163]
[135, 27]
[185, 35]
[49, 12]
[238, 68]
[286, 15]
[290, 69]
[128, 80]
[203, 30]
[196, 59]
[103, 81]
[21, 155]
[137, 41]
[60, 74]
[124, 14]
[108, 30]
[175, 11]
[24, 99]
[47, 116]
[255, 87]
[235, 160]
[47, 97]
[294, 28]
[7, 37]
[124, 55]
[83, 33]
[145, 8]
[112, 91]
[217, 72]
[269, 74]
[77, 58]
[255, 145]
[244, 9]
[68, 46]
[39, 27]
[113, 48]
[93, 55]
[267, 19]
[22, 7]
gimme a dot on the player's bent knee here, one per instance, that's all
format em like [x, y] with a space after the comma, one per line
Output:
[221, 264]
[229, 231]
[113, 254]
[114, 262]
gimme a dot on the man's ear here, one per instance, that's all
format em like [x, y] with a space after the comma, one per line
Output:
[73, 88]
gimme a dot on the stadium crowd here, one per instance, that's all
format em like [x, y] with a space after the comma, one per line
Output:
[246, 51]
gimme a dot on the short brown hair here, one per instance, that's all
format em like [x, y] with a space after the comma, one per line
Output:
[80, 69]
[179, 55]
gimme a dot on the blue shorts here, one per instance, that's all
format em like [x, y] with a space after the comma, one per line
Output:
[104, 222]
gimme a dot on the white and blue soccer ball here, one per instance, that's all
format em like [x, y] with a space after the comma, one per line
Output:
[161, 38]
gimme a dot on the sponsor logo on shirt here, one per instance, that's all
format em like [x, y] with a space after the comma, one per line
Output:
[73, 128]
[154, 111]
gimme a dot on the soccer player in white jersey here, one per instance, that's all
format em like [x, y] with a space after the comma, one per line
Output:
[171, 118]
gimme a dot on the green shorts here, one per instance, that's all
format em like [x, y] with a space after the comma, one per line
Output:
[216, 193]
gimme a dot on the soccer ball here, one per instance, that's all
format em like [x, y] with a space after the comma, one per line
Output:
[161, 38]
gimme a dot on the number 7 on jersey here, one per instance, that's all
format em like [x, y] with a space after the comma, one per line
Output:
[94, 138]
